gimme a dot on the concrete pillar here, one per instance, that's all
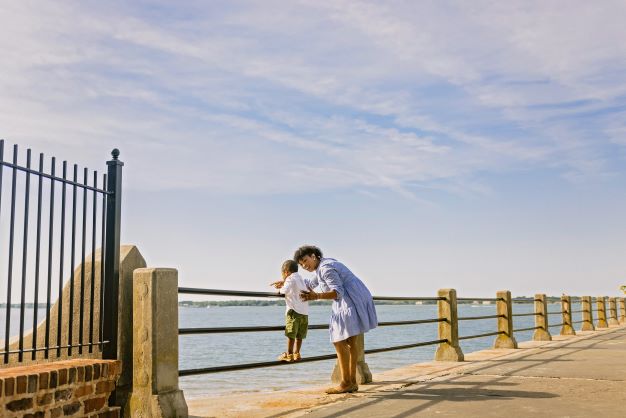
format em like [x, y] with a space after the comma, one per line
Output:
[566, 313]
[448, 330]
[504, 308]
[601, 312]
[363, 374]
[587, 308]
[541, 319]
[155, 346]
[613, 312]
[622, 310]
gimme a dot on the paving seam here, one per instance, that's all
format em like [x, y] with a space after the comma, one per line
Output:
[540, 377]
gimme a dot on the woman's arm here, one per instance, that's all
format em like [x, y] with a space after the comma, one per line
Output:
[311, 295]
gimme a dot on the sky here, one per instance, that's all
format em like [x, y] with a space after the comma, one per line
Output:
[426, 144]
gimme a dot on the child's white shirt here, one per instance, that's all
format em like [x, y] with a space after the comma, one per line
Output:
[294, 284]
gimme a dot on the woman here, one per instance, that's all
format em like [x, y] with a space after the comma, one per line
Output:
[353, 310]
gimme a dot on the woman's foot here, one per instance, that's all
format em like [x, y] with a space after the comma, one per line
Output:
[353, 388]
[296, 357]
[340, 389]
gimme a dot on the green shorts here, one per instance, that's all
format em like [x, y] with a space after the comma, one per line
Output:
[296, 325]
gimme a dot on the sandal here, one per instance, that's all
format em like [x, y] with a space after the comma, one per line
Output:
[296, 357]
[285, 357]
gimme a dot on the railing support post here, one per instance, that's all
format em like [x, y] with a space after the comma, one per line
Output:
[566, 314]
[601, 312]
[504, 308]
[587, 308]
[541, 319]
[613, 312]
[155, 345]
[112, 256]
[363, 373]
[448, 329]
[622, 310]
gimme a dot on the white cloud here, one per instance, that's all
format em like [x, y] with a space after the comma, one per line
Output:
[356, 94]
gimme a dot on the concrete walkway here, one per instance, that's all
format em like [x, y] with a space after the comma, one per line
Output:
[572, 376]
[577, 377]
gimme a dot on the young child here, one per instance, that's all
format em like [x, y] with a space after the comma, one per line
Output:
[297, 311]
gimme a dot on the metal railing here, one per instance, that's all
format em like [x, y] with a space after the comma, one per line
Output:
[72, 214]
[503, 328]
[215, 292]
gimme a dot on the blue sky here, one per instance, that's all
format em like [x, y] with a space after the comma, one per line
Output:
[476, 145]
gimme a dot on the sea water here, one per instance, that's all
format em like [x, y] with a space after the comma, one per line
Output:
[210, 350]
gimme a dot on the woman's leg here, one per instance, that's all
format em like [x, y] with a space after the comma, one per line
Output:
[343, 358]
[354, 355]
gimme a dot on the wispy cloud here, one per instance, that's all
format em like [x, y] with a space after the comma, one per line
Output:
[355, 94]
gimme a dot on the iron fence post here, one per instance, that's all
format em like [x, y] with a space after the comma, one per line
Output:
[111, 256]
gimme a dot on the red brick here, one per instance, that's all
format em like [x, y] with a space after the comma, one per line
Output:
[62, 377]
[33, 380]
[20, 404]
[20, 384]
[44, 399]
[71, 375]
[80, 374]
[105, 386]
[83, 390]
[54, 379]
[88, 373]
[44, 377]
[104, 372]
[96, 371]
[39, 414]
[71, 409]
[9, 386]
[56, 412]
[63, 395]
[95, 404]
[111, 413]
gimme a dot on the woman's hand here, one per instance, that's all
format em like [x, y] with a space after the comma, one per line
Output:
[310, 295]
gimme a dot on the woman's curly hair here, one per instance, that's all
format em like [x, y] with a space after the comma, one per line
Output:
[306, 250]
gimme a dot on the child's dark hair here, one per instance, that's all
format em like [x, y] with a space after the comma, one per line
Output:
[290, 266]
[306, 250]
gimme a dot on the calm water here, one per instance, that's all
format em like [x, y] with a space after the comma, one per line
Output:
[196, 351]
[224, 349]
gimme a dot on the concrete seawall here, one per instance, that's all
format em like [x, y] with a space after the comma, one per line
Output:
[574, 376]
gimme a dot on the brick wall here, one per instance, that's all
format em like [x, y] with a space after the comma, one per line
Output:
[74, 388]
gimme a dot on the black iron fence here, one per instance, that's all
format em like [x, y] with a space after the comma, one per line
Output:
[48, 222]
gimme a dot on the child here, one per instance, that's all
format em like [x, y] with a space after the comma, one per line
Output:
[297, 311]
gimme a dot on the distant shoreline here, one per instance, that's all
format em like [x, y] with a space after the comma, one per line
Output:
[207, 303]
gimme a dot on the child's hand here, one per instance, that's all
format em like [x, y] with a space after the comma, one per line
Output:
[278, 284]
